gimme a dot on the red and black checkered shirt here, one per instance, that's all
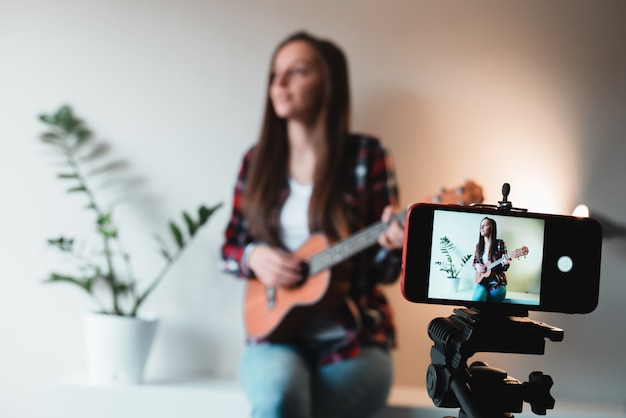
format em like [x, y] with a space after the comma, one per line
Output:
[372, 187]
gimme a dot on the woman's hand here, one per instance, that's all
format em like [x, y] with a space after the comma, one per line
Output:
[391, 238]
[480, 269]
[274, 267]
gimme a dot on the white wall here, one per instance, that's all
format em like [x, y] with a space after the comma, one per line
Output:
[531, 93]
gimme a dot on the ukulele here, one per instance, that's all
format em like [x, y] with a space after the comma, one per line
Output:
[520, 252]
[276, 313]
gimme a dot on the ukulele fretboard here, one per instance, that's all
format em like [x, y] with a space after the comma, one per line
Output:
[347, 247]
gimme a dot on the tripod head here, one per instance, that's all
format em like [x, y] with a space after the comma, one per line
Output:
[479, 390]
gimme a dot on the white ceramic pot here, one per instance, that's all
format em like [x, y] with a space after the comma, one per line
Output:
[452, 284]
[117, 347]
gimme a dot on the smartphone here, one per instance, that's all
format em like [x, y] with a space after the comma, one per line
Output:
[532, 261]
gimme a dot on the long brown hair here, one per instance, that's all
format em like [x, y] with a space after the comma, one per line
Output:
[493, 235]
[268, 173]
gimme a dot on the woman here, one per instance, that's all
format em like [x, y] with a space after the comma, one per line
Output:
[308, 174]
[490, 283]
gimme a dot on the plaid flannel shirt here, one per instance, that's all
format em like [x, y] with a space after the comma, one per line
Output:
[497, 277]
[373, 187]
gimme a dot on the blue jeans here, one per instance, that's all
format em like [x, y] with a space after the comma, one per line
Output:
[482, 294]
[280, 380]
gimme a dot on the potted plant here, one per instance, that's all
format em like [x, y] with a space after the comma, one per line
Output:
[452, 270]
[118, 336]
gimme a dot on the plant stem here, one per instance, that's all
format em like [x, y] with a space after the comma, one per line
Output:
[170, 262]
[110, 275]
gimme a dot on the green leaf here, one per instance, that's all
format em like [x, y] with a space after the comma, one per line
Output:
[97, 151]
[50, 119]
[205, 213]
[122, 288]
[67, 176]
[50, 137]
[104, 219]
[107, 167]
[66, 119]
[62, 243]
[163, 247]
[178, 236]
[77, 189]
[108, 233]
[191, 225]
[85, 283]
[64, 112]
[165, 254]
[83, 134]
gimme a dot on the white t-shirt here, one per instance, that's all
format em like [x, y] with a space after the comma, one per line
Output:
[294, 217]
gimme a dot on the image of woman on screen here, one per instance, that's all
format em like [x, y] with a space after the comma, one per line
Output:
[490, 263]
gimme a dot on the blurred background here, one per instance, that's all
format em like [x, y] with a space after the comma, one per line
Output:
[532, 93]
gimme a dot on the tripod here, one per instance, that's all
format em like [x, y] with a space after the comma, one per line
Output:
[479, 390]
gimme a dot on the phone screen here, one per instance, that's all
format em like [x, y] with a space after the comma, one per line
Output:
[509, 249]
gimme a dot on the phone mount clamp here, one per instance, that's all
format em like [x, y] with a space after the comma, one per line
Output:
[481, 391]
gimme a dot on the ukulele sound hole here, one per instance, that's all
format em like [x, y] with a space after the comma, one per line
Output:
[304, 273]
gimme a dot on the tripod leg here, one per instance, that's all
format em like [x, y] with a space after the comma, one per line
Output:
[463, 394]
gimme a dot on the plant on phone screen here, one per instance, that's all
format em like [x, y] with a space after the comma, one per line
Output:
[450, 251]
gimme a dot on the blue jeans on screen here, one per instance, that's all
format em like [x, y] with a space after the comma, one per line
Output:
[281, 381]
[483, 294]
